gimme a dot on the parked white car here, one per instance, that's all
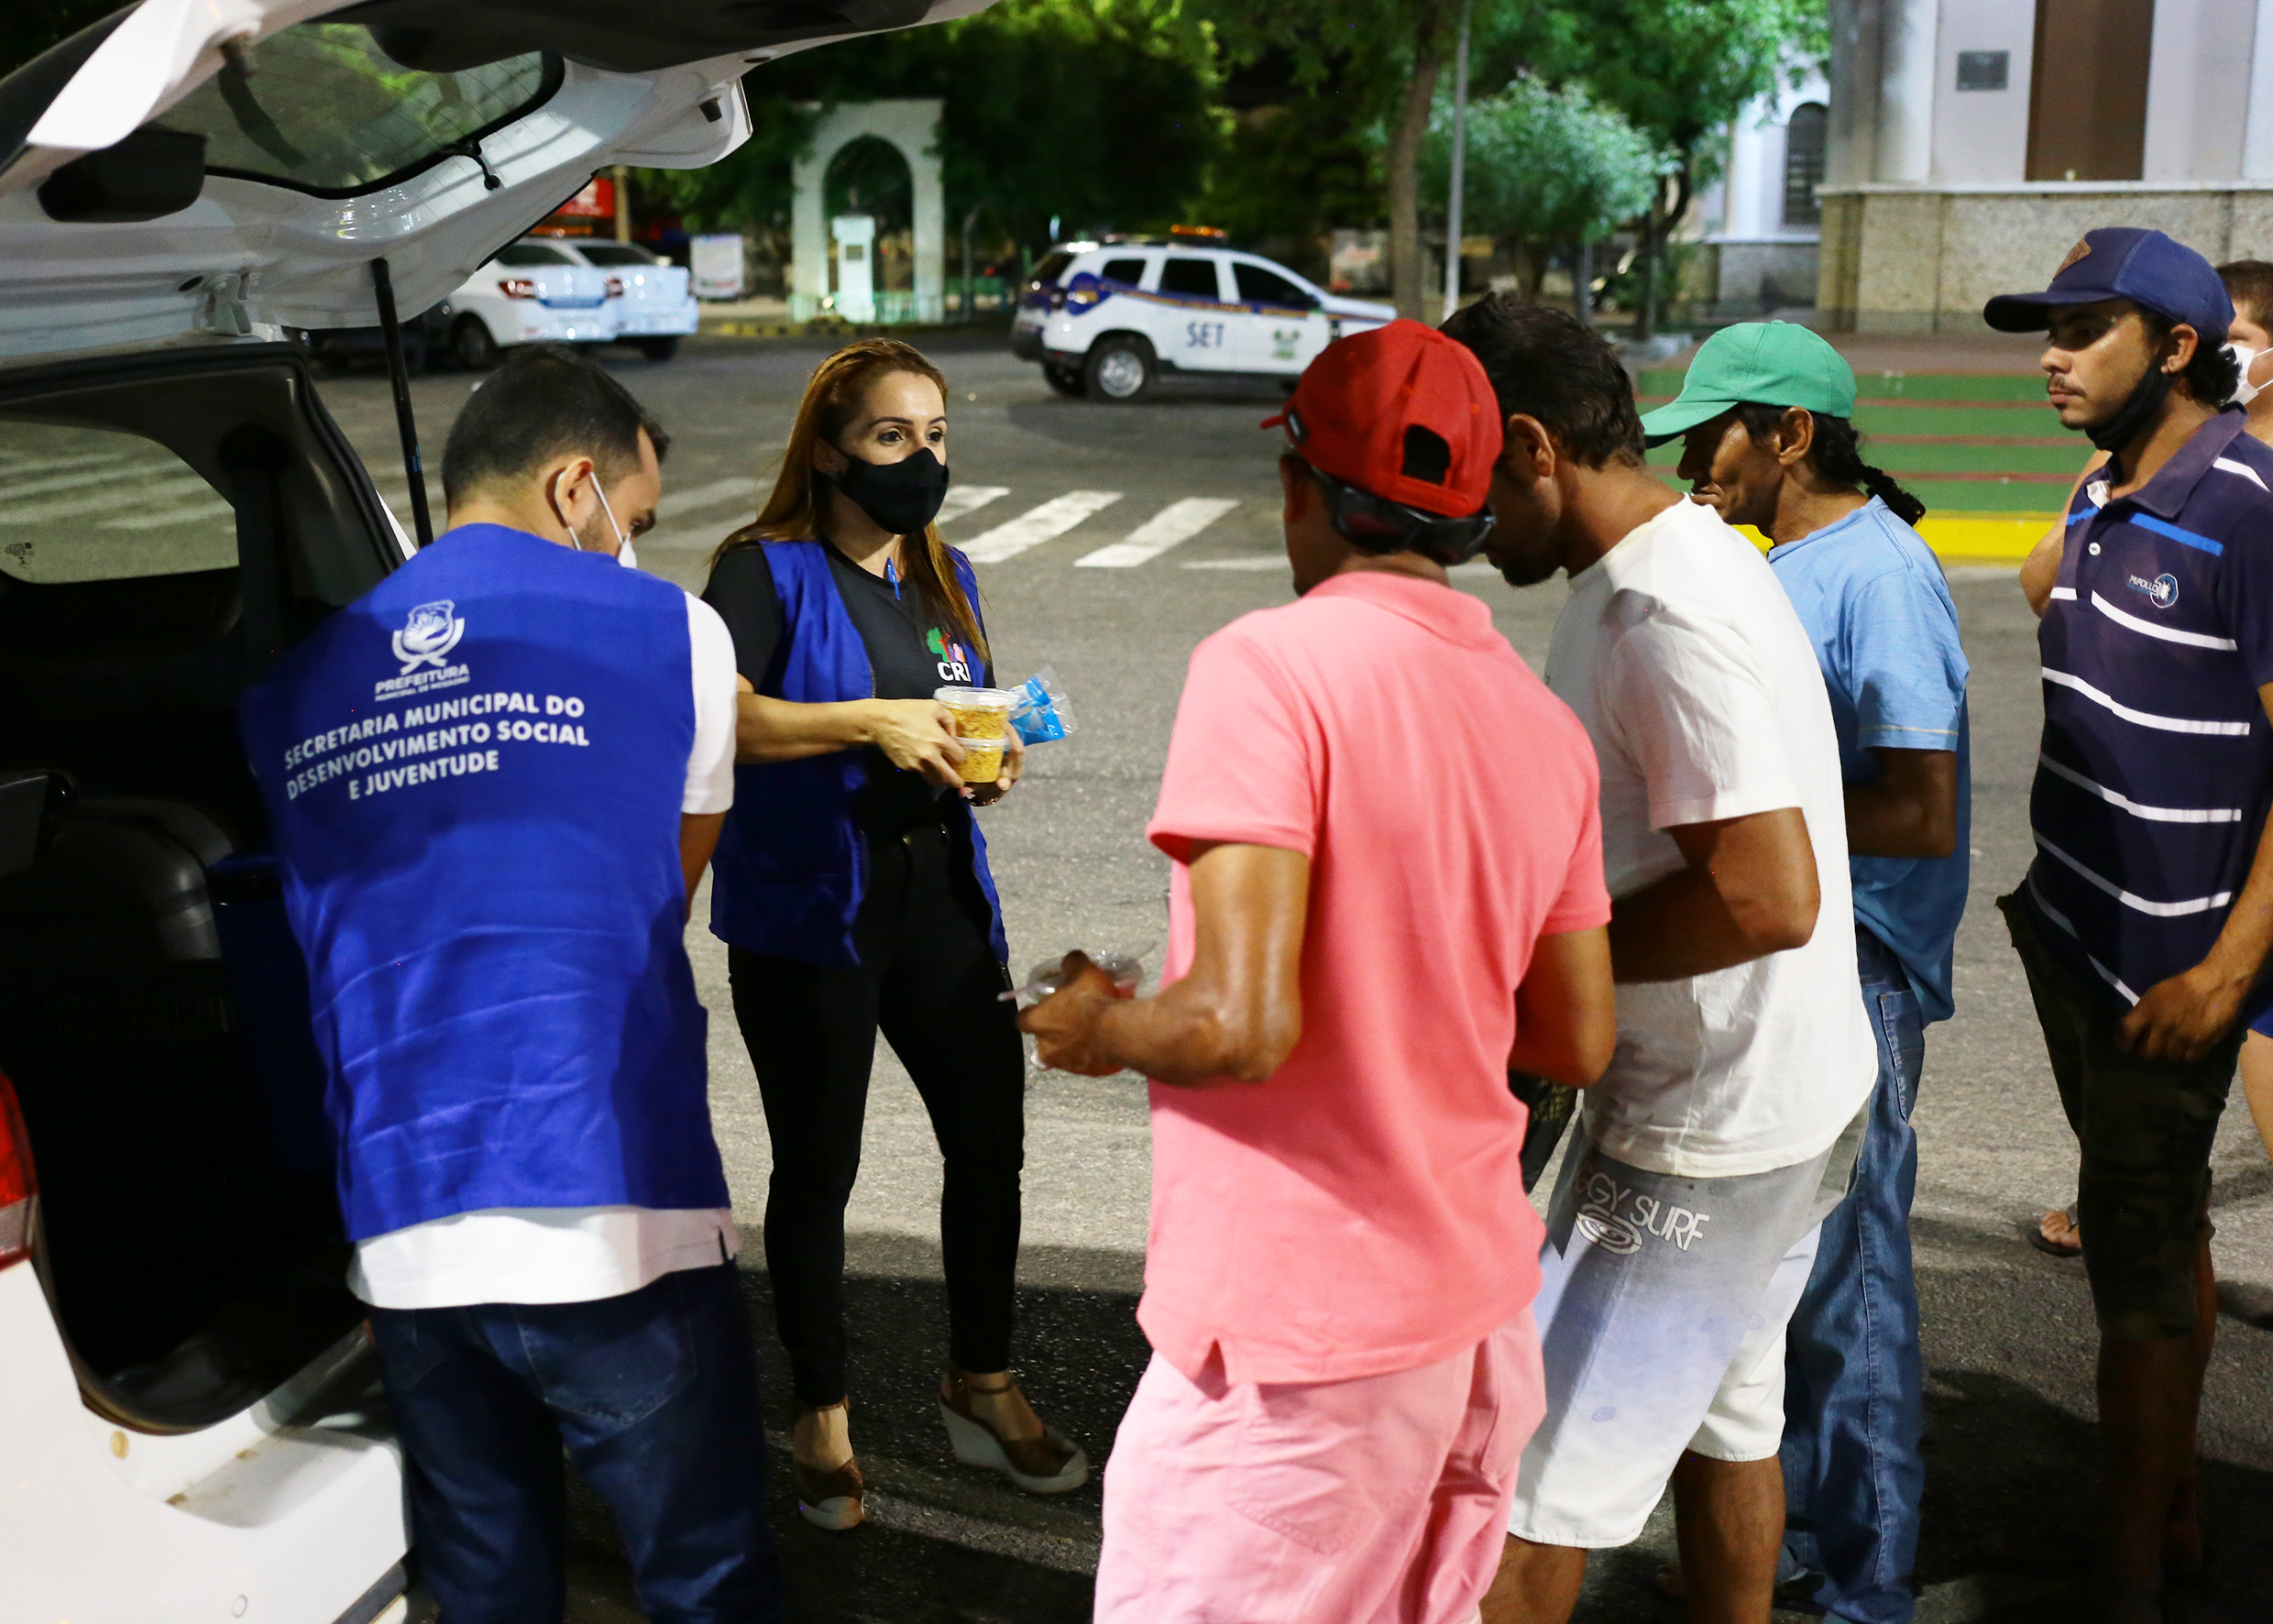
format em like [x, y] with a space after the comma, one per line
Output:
[1108, 320]
[535, 291]
[189, 1425]
[656, 305]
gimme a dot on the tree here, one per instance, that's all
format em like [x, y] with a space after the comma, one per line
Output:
[1679, 71]
[1101, 112]
[1389, 55]
[1545, 167]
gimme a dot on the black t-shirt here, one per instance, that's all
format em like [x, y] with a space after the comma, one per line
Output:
[908, 654]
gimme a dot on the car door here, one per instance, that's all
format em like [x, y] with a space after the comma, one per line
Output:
[1280, 327]
[155, 185]
[1195, 326]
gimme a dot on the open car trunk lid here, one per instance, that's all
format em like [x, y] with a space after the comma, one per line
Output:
[197, 168]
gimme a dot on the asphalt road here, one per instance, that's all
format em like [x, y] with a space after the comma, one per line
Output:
[2008, 1331]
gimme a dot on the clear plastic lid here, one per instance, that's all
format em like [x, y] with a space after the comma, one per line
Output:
[954, 698]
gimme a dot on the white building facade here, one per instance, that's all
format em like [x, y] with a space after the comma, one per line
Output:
[1971, 142]
[1756, 231]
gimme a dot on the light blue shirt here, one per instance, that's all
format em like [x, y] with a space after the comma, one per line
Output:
[1874, 601]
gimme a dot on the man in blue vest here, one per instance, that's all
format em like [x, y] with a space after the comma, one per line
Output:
[493, 781]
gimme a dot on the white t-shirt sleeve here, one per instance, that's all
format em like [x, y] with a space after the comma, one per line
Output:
[1694, 707]
[711, 764]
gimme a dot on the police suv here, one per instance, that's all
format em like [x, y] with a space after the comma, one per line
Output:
[1107, 319]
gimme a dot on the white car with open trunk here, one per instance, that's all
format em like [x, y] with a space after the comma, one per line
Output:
[189, 1426]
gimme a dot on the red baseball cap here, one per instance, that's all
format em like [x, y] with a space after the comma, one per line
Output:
[1402, 411]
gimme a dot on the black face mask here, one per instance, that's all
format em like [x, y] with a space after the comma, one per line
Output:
[2145, 399]
[901, 496]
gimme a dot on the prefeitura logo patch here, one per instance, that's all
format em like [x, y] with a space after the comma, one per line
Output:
[429, 635]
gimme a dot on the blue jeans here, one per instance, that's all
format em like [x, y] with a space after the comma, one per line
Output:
[655, 1396]
[1853, 1399]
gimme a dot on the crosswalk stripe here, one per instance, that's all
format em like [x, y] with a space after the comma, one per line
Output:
[1178, 521]
[104, 501]
[718, 493]
[80, 481]
[964, 500]
[1036, 525]
[13, 468]
[191, 514]
[1266, 561]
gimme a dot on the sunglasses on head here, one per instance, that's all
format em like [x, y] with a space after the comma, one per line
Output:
[1375, 524]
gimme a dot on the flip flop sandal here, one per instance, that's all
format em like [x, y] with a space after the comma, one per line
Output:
[2067, 1242]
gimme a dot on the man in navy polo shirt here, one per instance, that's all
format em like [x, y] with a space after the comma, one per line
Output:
[2146, 917]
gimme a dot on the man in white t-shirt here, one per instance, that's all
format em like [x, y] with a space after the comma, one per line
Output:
[1683, 1228]
[494, 781]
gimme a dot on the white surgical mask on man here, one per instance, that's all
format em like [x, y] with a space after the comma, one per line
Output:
[2244, 356]
[625, 555]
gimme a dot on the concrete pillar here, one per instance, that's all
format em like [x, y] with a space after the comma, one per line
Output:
[808, 232]
[920, 146]
[1851, 154]
[1905, 114]
[2258, 128]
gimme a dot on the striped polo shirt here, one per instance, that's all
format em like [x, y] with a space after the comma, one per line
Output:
[2157, 767]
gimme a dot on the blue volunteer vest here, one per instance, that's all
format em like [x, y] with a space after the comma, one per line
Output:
[473, 776]
[792, 862]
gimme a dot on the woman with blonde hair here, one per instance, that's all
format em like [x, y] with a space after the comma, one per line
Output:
[851, 889]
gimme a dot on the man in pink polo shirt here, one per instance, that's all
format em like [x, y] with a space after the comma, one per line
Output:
[1387, 891]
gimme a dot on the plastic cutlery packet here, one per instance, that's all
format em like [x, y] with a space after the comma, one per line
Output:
[1040, 712]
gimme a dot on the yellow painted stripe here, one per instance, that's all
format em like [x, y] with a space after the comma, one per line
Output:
[1982, 538]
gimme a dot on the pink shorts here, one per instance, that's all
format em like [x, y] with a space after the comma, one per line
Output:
[1380, 1500]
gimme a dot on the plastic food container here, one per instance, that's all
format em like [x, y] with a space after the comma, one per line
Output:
[980, 713]
[982, 759]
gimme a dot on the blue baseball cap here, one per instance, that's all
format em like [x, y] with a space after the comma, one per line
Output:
[2125, 262]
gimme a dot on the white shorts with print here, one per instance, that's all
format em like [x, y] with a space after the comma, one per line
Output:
[1662, 1303]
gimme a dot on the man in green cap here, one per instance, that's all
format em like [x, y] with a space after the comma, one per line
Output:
[1767, 419]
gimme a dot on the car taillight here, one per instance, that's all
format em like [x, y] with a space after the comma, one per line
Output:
[518, 286]
[18, 1185]
[615, 287]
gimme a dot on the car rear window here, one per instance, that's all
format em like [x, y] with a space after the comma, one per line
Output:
[1131, 271]
[614, 254]
[80, 504]
[1051, 267]
[520, 254]
[1189, 276]
[325, 110]
[1257, 286]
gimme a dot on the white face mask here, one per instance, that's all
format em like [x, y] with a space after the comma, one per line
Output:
[2244, 391]
[625, 555]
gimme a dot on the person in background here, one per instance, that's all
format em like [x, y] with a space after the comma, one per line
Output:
[1766, 416]
[2145, 921]
[1386, 890]
[853, 892]
[2249, 283]
[1683, 1230]
[494, 782]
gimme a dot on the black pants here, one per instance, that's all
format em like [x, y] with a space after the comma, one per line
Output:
[929, 979]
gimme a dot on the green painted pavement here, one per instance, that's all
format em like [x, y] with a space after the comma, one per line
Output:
[1949, 406]
[1899, 386]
